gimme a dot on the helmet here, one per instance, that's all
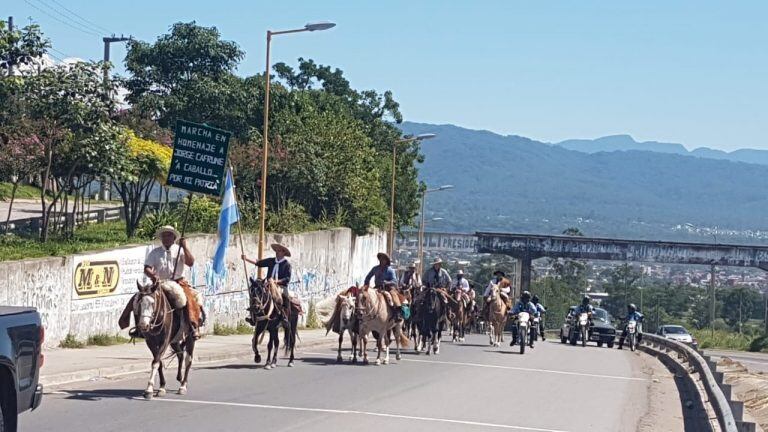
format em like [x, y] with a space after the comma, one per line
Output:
[535, 298]
[631, 307]
[585, 300]
[526, 296]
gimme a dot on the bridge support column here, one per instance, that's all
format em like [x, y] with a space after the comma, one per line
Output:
[525, 275]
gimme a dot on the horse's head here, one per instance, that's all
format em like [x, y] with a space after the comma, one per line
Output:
[145, 304]
[434, 301]
[259, 295]
[363, 303]
[495, 290]
[346, 307]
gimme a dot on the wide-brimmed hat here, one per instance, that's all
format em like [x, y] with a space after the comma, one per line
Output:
[499, 273]
[460, 272]
[165, 229]
[278, 247]
[381, 255]
[413, 264]
[437, 261]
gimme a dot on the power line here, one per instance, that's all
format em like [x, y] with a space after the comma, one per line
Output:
[87, 22]
[89, 32]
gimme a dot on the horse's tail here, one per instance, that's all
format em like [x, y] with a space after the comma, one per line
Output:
[404, 340]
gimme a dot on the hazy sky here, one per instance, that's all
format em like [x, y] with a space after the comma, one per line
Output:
[693, 72]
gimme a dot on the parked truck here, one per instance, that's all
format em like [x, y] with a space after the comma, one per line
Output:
[21, 357]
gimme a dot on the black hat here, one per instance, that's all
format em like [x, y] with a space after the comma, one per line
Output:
[499, 273]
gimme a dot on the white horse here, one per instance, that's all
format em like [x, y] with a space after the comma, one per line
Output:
[347, 322]
[377, 316]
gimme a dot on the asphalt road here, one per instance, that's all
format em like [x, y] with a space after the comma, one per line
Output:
[467, 387]
[754, 362]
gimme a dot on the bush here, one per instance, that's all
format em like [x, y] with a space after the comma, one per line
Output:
[292, 217]
[722, 339]
[203, 215]
[71, 342]
[313, 322]
[153, 220]
[759, 343]
[226, 330]
[104, 339]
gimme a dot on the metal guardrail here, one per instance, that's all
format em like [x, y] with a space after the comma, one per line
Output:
[33, 224]
[721, 405]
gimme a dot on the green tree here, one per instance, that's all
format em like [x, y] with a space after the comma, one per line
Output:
[739, 305]
[20, 47]
[70, 106]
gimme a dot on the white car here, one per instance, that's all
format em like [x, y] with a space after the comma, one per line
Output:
[678, 333]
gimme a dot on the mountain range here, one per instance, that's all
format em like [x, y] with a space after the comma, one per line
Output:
[608, 187]
[625, 142]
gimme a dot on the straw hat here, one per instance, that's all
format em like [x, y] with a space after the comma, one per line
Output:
[413, 264]
[165, 229]
[460, 272]
[278, 247]
[437, 261]
[382, 255]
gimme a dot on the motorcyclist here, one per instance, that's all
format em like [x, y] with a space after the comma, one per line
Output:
[632, 315]
[541, 311]
[523, 305]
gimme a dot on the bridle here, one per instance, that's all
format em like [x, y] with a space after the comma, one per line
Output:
[157, 319]
[262, 302]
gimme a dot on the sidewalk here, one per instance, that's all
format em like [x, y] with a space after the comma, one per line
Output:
[63, 366]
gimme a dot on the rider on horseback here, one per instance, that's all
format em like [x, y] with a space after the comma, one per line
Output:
[167, 262]
[410, 279]
[461, 288]
[504, 290]
[279, 273]
[438, 277]
[385, 278]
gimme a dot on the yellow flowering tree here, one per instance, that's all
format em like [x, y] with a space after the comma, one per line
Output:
[148, 164]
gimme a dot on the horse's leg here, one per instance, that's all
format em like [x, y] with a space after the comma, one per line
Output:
[268, 364]
[364, 347]
[339, 359]
[379, 342]
[149, 392]
[189, 349]
[179, 360]
[439, 338]
[398, 338]
[354, 339]
[292, 336]
[387, 340]
[275, 336]
[255, 342]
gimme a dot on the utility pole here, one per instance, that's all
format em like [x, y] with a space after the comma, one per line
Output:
[10, 30]
[105, 188]
[712, 288]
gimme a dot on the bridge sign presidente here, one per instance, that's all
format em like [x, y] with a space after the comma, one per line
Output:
[199, 158]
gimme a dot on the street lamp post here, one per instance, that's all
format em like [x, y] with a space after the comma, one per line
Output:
[265, 150]
[391, 236]
[421, 225]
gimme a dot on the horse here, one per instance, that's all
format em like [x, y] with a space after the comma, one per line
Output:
[377, 316]
[268, 316]
[162, 326]
[344, 319]
[458, 316]
[432, 319]
[497, 316]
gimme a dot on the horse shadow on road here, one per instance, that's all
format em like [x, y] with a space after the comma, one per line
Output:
[98, 395]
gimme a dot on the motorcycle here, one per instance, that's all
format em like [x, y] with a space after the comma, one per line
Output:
[582, 327]
[534, 330]
[523, 324]
[632, 334]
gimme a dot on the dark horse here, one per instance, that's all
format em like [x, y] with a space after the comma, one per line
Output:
[267, 315]
[431, 319]
[161, 327]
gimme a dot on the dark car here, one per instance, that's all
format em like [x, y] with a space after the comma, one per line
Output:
[602, 330]
[21, 341]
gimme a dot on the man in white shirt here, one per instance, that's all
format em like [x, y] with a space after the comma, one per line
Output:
[461, 286]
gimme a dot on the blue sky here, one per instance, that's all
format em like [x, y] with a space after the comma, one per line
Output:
[692, 72]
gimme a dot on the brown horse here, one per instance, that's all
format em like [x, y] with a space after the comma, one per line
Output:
[497, 316]
[377, 316]
[458, 316]
[344, 320]
[161, 327]
[267, 314]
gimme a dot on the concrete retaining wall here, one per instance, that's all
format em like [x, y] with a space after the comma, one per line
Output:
[78, 294]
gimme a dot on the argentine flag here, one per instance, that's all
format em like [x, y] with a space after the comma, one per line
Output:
[228, 216]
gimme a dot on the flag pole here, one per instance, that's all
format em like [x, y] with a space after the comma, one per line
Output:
[239, 227]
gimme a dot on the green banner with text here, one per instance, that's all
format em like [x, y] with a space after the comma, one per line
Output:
[199, 158]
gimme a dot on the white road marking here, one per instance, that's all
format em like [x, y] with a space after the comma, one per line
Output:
[616, 377]
[353, 412]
